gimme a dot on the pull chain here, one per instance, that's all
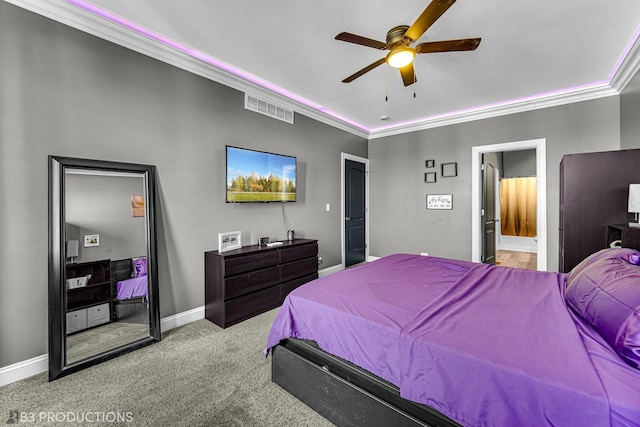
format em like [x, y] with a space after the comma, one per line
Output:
[386, 84]
[415, 78]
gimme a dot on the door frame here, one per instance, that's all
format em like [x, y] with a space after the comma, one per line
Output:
[540, 145]
[343, 157]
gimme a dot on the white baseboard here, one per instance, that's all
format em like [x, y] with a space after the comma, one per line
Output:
[181, 319]
[27, 368]
[330, 270]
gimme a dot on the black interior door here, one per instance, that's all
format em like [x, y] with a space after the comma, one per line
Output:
[354, 211]
[488, 213]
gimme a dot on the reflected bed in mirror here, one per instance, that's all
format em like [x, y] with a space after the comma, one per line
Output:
[103, 288]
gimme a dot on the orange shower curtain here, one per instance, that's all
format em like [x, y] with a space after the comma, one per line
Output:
[518, 198]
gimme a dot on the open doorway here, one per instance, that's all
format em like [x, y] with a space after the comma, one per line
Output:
[539, 145]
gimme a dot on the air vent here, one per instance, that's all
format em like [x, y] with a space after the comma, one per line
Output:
[267, 108]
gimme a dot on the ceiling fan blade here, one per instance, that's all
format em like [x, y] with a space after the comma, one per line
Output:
[408, 75]
[427, 18]
[364, 70]
[448, 45]
[364, 41]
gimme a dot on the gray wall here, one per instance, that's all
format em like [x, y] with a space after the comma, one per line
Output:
[63, 92]
[630, 115]
[399, 219]
[519, 163]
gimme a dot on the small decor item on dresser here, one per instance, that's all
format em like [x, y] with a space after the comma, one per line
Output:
[291, 235]
[229, 241]
[263, 240]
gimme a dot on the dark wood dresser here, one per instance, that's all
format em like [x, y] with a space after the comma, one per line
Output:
[245, 282]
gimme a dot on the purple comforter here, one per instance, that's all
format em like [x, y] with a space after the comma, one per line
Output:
[135, 287]
[484, 345]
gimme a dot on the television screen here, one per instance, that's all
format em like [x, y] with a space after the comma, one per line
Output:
[257, 176]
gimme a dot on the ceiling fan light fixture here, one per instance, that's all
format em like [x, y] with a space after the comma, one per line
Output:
[401, 56]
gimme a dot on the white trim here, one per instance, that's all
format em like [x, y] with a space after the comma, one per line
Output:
[595, 91]
[343, 157]
[77, 18]
[330, 270]
[540, 145]
[181, 319]
[25, 369]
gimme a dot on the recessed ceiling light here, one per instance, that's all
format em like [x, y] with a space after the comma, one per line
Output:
[384, 118]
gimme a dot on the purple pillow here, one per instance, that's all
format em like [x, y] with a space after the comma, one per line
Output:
[604, 290]
[140, 266]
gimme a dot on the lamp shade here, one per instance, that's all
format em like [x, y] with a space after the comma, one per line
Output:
[634, 198]
[72, 248]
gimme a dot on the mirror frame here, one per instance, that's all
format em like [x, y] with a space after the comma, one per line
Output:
[57, 262]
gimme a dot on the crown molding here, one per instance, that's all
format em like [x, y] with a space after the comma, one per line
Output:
[225, 74]
[628, 68]
[595, 91]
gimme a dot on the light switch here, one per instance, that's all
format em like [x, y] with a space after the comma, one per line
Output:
[328, 207]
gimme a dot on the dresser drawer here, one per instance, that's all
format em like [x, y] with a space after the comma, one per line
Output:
[287, 287]
[98, 315]
[250, 282]
[298, 252]
[244, 263]
[76, 320]
[250, 305]
[297, 269]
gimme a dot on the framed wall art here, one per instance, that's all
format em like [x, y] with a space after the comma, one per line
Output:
[449, 169]
[430, 177]
[440, 201]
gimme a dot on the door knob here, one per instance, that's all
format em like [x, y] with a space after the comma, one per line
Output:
[347, 219]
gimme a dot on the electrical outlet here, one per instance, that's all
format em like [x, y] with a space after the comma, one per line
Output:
[424, 254]
[320, 260]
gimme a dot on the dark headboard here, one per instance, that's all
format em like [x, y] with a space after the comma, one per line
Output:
[121, 270]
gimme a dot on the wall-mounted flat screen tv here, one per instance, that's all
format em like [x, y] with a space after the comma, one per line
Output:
[259, 177]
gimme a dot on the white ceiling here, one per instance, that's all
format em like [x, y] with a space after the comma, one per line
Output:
[532, 52]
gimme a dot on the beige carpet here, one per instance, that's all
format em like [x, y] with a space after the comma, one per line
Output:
[102, 338]
[198, 375]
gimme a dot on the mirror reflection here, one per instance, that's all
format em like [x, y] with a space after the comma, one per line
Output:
[103, 276]
[106, 267]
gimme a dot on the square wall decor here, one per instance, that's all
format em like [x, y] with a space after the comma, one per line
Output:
[449, 169]
[430, 177]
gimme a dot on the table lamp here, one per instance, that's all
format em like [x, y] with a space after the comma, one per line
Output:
[634, 203]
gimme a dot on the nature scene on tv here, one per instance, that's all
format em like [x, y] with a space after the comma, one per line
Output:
[254, 176]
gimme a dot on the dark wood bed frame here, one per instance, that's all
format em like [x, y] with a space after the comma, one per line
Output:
[344, 393]
[122, 269]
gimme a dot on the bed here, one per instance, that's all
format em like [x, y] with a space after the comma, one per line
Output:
[411, 340]
[129, 287]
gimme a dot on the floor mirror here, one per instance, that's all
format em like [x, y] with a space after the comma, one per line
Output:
[103, 273]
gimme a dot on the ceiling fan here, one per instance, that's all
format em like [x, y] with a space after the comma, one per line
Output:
[400, 38]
